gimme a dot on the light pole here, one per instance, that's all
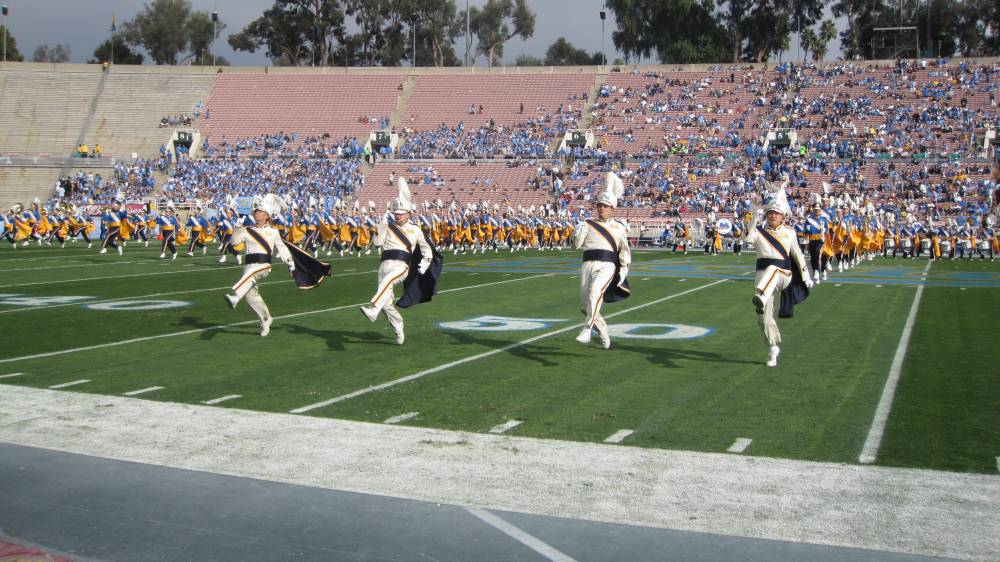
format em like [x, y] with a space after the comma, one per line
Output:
[215, 22]
[604, 58]
[3, 12]
[468, 40]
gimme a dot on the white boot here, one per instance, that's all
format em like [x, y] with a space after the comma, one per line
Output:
[585, 335]
[369, 312]
[222, 258]
[772, 356]
[265, 326]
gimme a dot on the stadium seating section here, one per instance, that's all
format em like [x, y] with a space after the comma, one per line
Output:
[900, 128]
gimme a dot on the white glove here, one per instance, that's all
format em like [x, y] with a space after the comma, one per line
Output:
[622, 274]
[424, 266]
[291, 268]
[808, 281]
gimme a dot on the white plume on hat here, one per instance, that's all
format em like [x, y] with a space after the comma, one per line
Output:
[403, 204]
[614, 188]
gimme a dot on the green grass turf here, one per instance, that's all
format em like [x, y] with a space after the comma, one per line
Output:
[694, 394]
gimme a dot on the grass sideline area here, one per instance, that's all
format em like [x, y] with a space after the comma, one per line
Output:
[686, 370]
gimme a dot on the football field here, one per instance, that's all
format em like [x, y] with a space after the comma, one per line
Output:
[895, 359]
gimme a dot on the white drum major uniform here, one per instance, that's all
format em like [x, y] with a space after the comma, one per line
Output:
[260, 242]
[606, 260]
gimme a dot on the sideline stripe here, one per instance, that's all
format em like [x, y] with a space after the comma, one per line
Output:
[874, 440]
[739, 445]
[402, 417]
[619, 436]
[12, 375]
[65, 384]
[486, 354]
[223, 399]
[520, 536]
[223, 326]
[142, 391]
[506, 426]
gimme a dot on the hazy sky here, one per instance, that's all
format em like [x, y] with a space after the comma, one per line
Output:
[84, 24]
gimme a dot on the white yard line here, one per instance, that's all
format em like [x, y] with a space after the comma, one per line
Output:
[484, 355]
[142, 391]
[206, 270]
[66, 266]
[223, 326]
[222, 399]
[619, 436]
[505, 426]
[172, 293]
[520, 536]
[68, 384]
[874, 440]
[739, 445]
[12, 375]
[401, 417]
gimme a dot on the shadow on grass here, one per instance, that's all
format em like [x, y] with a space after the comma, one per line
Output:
[667, 358]
[541, 354]
[335, 339]
[210, 329]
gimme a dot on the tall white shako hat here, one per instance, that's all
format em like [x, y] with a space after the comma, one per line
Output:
[779, 199]
[614, 188]
[403, 202]
[270, 204]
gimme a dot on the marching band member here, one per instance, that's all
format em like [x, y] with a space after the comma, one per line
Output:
[169, 226]
[7, 225]
[680, 236]
[989, 242]
[112, 227]
[737, 234]
[399, 240]
[226, 228]
[816, 227]
[905, 241]
[197, 224]
[261, 241]
[23, 225]
[606, 260]
[966, 235]
[79, 225]
[780, 267]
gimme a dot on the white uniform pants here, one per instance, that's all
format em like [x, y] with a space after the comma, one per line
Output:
[769, 281]
[595, 276]
[246, 287]
[390, 273]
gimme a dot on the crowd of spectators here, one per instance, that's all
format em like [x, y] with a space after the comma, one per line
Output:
[214, 181]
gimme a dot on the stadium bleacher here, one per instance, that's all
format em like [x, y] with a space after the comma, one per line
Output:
[704, 125]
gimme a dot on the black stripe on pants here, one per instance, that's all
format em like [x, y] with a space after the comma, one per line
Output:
[109, 240]
[168, 244]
